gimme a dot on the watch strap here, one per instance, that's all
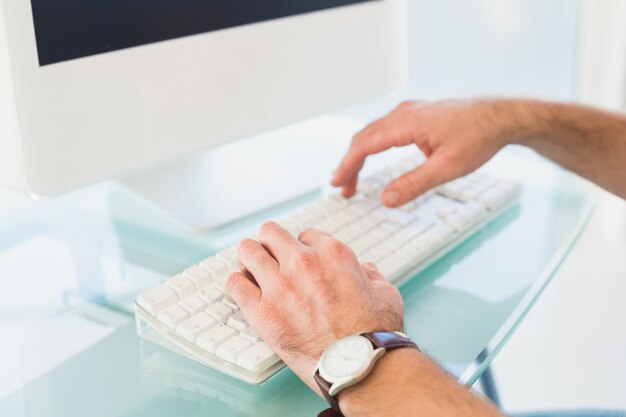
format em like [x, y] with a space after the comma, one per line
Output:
[325, 388]
[389, 340]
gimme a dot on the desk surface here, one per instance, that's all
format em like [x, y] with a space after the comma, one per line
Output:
[68, 267]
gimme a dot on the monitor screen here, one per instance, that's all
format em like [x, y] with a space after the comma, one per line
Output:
[70, 29]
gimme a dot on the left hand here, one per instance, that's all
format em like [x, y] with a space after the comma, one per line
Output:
[300, 295]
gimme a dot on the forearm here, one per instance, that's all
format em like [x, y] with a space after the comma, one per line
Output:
[406, 383]
[587, 141]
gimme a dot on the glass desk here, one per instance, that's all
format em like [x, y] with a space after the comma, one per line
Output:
[70, 266]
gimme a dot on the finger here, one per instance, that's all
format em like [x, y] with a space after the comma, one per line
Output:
[312, 237]
[349, 189]
[414, 183]
[372, 272]
[378, 137]
[278, 241]
[243, 292]
[255, 258]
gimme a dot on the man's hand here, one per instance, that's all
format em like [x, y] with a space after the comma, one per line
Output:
[300, 295]
[457, 137]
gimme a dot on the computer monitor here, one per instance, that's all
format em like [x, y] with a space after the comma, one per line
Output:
[94, 89]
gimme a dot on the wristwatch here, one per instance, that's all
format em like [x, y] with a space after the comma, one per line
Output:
[350, 359]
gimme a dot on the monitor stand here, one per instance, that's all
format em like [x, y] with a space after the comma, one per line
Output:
[220, 186]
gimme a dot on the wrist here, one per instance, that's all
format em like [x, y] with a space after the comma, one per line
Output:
[384, 386]
[527, 120]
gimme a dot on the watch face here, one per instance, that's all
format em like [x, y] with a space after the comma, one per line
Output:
[346, 357]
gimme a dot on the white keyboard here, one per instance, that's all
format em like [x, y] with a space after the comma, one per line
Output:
[191, 313]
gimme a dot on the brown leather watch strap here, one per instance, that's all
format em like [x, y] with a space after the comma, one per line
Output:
[389, 340]
[325, 388]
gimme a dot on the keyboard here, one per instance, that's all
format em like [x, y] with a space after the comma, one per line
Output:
[190, 312]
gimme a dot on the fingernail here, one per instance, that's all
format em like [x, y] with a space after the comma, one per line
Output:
[392, 198]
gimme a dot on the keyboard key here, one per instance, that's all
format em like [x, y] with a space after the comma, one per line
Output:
[373, 218]
[382, 249]
[292, 227]
[342, 219]
[391, 266]
[351, 233]
[391, 226]
[230, 303]
[360, 246]
[198, 276]
[157, 299]
[393, 242]
[230, 349]
[229, 258]
[237, 321]
[369, 257]
[462, 219]
[381, 232]
[450, 190]
[219, 312]
[444, 232]
[315, 212]
[192, 327]
[369, 187]
[216, 335]
[220, 286]
[321, 209]
[193, 304]
[476, 207]
[338, 201]
[173, 316]
[352, 212]
[428, 242]
[395, 216]
[303, 219]
[384, 176]
[498, 196]
[183, 286]
[209, 294]
[249, 334]
[412, 230]
[445, 210]
[468, 195]
[257, 358]
[366, 205]
[328, 226]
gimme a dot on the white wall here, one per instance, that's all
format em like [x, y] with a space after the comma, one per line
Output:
[504, 47]
[602, 57]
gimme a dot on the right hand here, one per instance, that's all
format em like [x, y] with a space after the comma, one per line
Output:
[456, 136]
[300, 295]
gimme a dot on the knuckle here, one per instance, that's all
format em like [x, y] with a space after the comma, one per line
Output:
[304, 233]
[305, 261]
[405, 104]
[268, 227]
[411, 184]
[246, 247]
[337, 248]
[371, 266]
[233, 283]
[358, 142]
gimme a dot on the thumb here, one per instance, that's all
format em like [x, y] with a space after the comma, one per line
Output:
[408, 186]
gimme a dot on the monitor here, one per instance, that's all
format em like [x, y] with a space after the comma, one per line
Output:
[94, 89]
